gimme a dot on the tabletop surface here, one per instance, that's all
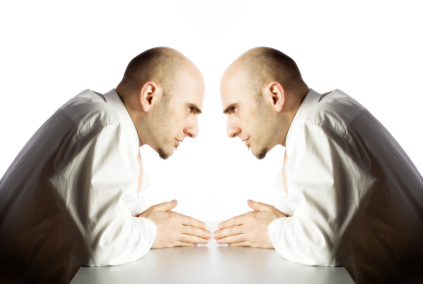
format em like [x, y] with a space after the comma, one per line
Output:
[212, 264]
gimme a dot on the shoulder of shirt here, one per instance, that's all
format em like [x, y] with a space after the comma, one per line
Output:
[89, 110]
[334, 111]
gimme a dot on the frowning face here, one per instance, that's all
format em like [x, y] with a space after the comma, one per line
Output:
[248, 117]
[176, 116]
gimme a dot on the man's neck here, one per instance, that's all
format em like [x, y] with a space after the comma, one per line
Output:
[292, 112]
[133, 114]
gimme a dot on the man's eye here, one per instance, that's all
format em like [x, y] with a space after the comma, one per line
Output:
[234, 109]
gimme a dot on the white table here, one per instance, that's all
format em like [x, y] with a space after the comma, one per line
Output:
[212, 264]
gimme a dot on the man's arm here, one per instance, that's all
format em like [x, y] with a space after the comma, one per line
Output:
[91, 187]
[332, 188]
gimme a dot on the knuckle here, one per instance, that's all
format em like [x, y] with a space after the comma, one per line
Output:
[186, 219]
[204, 234]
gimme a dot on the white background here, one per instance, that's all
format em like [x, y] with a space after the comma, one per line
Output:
[50, 51]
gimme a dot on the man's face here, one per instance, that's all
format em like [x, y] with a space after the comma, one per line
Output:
[248, 116]
[176, 116]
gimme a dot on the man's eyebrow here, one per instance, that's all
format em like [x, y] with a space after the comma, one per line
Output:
[196, 108]
[227, 109]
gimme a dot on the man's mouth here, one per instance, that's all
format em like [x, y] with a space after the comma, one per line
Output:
[246, 141]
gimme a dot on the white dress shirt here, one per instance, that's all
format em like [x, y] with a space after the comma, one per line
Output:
[70, 196]
[354, 196]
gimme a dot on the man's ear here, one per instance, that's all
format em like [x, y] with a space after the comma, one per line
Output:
[277, 94]
[149, 94]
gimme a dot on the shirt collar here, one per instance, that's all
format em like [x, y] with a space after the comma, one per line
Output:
[311, 98]
[113, 98]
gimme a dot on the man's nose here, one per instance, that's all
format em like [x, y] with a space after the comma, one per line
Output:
[233, 130]
[192, 129]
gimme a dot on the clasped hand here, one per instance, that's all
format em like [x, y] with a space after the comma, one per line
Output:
[249, 230]
[174, 229]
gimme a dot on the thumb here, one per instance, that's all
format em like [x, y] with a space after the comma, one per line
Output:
[257, 206]
[166, 206]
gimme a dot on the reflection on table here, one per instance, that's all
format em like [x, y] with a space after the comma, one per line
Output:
[212, 264]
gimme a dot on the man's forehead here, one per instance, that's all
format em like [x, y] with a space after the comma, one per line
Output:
[190, 86]
[193, 97]
[233, 89]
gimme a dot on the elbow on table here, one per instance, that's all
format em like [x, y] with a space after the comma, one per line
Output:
[101, 258]
[113, 254]
[106, 258]
[119, 246]
[329, 253]
[328, 256]
[323, 255]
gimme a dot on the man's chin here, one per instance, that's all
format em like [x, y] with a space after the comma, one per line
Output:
[164, 154]
[261, 154]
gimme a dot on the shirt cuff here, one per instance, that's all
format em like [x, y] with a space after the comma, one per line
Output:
[274, 230]
[150, 230]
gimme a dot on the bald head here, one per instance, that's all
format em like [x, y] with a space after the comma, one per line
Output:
[261, 65]
[162, 65]
[163, 93]
[261, 92]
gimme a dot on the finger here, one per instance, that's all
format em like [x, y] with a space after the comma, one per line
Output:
[166, 206]
[232, 239]
[227, 232]
[189, 221]
[192, 239]
[183, 244]
[258, 206]
[235, 221]
[193, 231]
[240, 244]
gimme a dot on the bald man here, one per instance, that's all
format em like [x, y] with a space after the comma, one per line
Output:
[74, 194]
[350, 194]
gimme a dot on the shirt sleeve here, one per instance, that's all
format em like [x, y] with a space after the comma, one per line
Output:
[91, 186]
[330, 188]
